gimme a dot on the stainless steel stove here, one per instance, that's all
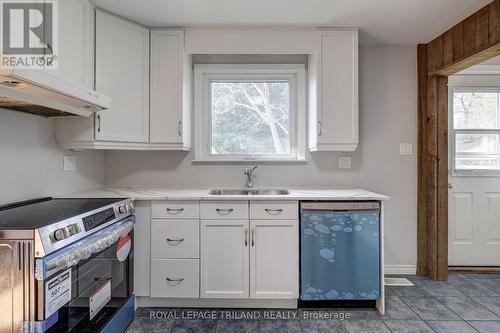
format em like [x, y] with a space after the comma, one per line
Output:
[58, 257]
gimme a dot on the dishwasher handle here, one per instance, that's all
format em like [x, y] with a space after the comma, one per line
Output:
[340, 206]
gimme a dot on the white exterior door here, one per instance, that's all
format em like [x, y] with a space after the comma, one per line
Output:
[474, 222]
[224, 259]
[274, 259]
[474, 194]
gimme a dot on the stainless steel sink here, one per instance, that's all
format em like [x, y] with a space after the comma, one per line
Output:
[249, 192]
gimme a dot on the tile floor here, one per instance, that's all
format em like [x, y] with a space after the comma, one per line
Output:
[466, 303]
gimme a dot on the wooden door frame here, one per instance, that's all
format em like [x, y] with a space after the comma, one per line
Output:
[470, 42]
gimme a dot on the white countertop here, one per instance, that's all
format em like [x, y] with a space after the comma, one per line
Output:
[149, 193]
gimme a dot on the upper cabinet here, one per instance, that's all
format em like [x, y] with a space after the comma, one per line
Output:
[76, 42]
[150, 107]
[170, 96]
[148, 75]
[122, 73]
[333, 92]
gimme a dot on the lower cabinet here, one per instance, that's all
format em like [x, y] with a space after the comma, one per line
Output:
[177, 278]
[224, 259]
[274, 258]
[256, 259]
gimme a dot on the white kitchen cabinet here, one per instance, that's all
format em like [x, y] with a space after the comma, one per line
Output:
[175, 239]
[170, 96]
[274, 259]
[76, 42]
[333, 91]
[176, 278]
[224, 259]
[122, 73]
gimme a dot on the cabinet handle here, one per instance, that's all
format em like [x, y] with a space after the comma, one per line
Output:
[98, 123]
[175, 210]
[274, 211]
[246, 236]
[180, 240]
[180, 128]
[253, 237]
[224, 211]
[178, 280]
[320, 128]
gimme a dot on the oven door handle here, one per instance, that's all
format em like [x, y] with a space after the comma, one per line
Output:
[71, 255]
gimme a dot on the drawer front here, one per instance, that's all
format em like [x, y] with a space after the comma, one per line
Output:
[217, 210]
[175, 209]
[269, 210]
[174, 239]
[175, 278]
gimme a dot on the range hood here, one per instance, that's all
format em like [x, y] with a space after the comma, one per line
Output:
[39, 92]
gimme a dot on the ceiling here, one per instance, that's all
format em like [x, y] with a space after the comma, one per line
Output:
[406, 22]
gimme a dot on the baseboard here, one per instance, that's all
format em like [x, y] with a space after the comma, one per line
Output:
[143, 301]
[400, 269]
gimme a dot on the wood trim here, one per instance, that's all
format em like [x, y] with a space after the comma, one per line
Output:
[422, 151]
[468, 43]
[442, 179]
[474, 269]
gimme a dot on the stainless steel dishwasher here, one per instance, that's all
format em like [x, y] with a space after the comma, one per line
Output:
[339, 251]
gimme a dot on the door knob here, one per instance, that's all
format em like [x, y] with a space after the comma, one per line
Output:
[450, 186]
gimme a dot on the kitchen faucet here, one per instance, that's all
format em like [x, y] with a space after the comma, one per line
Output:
[250, 176]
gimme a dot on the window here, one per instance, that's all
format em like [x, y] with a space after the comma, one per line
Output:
[475, 129]
[249, 112]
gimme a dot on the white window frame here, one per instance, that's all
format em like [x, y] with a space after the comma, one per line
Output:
[471, 173]
[205, 73]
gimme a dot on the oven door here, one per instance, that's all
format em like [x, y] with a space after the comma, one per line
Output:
[86, 284]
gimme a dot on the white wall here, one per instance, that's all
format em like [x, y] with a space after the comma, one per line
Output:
[31, 165]
[388, 116]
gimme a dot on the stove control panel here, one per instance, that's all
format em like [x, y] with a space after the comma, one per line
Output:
[63, 233]
[95, 220]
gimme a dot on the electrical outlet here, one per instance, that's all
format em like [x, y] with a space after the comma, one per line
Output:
[69, 163]
[344, 162]
[405, 148]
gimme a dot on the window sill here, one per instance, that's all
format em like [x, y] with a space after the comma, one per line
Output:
[250, 161]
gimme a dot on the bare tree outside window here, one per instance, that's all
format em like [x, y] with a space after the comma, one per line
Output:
[251, 117]
[475, 116]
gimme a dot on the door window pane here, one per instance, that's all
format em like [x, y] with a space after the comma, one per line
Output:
[475, 110]
[477, 151]
[251, 117]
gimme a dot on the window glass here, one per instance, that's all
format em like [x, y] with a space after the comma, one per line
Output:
[477, 151]
[475, 110]
[251, 117]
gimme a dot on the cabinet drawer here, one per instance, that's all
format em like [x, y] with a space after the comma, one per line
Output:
[175, 209]
[217, 210]
[171, 239]
[175, 278]
[268, 210]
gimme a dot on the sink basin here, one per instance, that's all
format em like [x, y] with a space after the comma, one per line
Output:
[249, 192]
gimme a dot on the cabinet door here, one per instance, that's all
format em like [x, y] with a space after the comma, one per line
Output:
[336, 121]
[122, 73]
[76, 42]
[170, 70]
[224, 259]
[274, 259]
